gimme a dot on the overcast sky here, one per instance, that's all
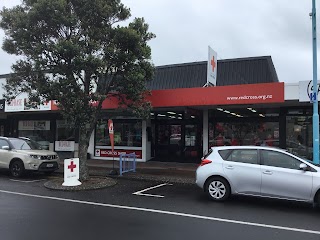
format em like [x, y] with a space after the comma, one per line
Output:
[233, 28]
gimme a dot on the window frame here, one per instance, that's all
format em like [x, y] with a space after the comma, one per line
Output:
[117, 121]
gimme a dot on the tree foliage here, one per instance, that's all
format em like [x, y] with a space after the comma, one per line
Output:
[75, 52]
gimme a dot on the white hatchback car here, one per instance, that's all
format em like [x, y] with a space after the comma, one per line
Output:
[258, 171]
[21, 154]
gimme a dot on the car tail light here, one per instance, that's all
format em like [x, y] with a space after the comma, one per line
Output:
[205, 161]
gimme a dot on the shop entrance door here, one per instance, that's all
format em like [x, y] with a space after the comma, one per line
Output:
[178, 142]
[169, 144]
[193, 143]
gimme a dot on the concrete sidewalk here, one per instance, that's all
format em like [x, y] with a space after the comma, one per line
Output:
[151, 171]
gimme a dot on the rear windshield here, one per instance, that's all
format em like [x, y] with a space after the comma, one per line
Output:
[224, 153]
[207, 154]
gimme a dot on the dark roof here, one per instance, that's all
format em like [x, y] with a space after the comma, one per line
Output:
[230, 72]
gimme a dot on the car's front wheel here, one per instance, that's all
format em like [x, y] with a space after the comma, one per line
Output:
[17, 168]
[217, 189]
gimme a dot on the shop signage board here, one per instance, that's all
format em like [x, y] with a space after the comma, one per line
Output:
[209, 96]
[212, 67]
[221, 95]
[71, 172]
[306, 89]
[23, 104]
[34, 125]
[66, 146]
[117, 152]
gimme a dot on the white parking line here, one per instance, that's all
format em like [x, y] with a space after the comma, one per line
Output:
[167, 213]
[140, 193]
[27, 181]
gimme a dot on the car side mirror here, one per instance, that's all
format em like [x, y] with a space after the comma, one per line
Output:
[5, 147]
[303, 166]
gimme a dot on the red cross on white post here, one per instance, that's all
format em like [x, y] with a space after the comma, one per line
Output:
[72, 166]
[71, 172]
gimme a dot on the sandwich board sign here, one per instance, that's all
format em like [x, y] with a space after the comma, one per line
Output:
[71, 172]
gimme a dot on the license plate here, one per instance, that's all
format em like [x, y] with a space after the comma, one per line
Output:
[50, 165]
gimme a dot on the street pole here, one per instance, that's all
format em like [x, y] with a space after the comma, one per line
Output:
[315, 117]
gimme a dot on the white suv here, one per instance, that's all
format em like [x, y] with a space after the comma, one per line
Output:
[21, 154]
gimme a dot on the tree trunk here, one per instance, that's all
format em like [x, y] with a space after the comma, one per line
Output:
[83, 149]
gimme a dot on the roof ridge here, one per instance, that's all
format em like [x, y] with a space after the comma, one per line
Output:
[204, 62]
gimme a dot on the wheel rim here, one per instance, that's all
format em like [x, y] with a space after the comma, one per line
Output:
[217, 189]
[16, 169]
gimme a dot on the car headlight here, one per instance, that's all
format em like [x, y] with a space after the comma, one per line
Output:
[35, 157]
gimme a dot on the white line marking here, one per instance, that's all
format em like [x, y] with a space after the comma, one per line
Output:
[27, 181]
[140, 193]
[148, 195]
[167, 212]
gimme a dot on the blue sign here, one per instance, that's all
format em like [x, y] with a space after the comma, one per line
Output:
[313, 97]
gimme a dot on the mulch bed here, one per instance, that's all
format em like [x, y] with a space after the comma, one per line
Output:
[91, 184]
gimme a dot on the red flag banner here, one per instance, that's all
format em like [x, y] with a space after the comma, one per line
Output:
[111, 133]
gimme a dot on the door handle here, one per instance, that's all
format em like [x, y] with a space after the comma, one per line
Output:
[229, 167]
[267, 172]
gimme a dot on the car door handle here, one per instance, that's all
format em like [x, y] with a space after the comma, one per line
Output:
[229, 167]
[267, 172]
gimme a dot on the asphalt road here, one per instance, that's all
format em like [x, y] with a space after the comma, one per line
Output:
[30, 211]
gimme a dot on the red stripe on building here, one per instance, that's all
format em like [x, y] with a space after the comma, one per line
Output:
[224, 95]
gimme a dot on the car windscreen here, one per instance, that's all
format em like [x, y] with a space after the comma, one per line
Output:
[24, 144]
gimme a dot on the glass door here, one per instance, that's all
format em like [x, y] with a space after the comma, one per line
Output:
[193, 143]
[169, 142]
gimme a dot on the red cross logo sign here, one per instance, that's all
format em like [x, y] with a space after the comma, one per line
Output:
[71, 172]
[212, 67]
[213, 64]
[72, 166]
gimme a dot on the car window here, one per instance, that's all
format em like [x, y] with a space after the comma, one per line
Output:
[244, 156]
[3, 143]
[24, 144]
[224, 153]
[278, 159]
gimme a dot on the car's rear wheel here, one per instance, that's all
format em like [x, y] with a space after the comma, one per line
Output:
[17, 168]
[316, 202]
[217, 189]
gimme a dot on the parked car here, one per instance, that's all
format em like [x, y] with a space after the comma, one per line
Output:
[258, 171]
[22, 154]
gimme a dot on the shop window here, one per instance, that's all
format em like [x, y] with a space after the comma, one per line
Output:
[38, 131]
[299, 138]
[244, 133]
[125, 133]
[64, 131]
